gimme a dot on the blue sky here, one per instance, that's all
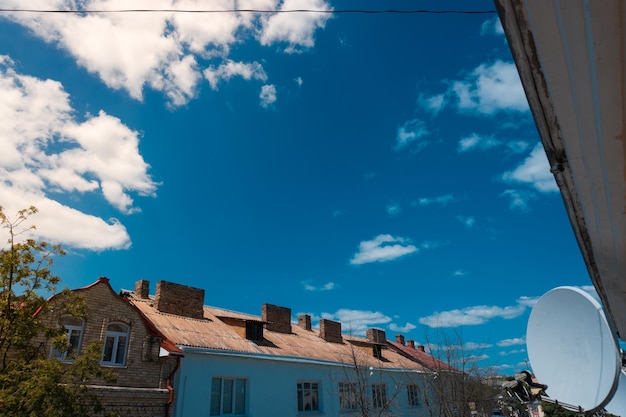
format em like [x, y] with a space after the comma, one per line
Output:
[382, 170]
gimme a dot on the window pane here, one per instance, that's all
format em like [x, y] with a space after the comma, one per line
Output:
[74, 339]
[216, 396]
[240, 396]
[120, 354]
[228, 396]
[108, 348]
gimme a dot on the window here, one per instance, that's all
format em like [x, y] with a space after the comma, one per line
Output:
[379, 396]
[412, 393]
[74, 333]
[254, 330]
[347, 396]
[308, 396]
[115, 344]
[228, 396]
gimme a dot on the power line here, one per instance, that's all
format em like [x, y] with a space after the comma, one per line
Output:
[339, 11]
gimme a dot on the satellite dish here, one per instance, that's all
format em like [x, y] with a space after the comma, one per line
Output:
[573, 349]
[617, 406]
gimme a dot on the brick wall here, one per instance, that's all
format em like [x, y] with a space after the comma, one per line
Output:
[179, 299]
[278, 318]
[376, 335]
[330, 331]
[140, 386]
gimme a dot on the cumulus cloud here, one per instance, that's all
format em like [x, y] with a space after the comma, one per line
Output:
[402, 329]
[468, 221]
[296, 30]
[393, 209]
[325, 287]
[268, 95]
[512, 342]
[519, 199]
[441, 200]
[165, 51]
[492, 27]
[477, 142]
[356, 322]
[47, 150]
[475, 346]
[382, 248]
[471, 316]
[533, 171]
[491, 88]
[434, 104]
[411, 133]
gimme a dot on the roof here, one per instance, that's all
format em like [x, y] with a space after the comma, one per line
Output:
[422, 357]
[569, 55]
[212, 333]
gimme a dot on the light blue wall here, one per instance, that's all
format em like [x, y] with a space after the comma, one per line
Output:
[271, 385]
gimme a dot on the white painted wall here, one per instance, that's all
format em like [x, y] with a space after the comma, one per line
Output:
[271, 385]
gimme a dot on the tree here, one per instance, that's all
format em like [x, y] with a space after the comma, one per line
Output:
[459, 386]
[32, 384]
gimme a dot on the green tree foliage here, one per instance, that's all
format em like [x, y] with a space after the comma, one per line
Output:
[32, 384]
[555, 410]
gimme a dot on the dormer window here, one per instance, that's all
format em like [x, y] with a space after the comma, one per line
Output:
[254, 330]
[377, 351]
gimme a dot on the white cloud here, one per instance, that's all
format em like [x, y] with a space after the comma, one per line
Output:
[299, 81]
[518, 199]
[268, 95]
[490, 89]
[382, 248]
[477, 142]
[356, 322]
[294, 29]
[326, 287]
[162, 51]
[468, 221]
[492, 27]
[512, 352]
[402, 329]
[459, 273]
[471, 316]
[512, 342]
[411, 132]
[45, 149]
[229, 69]
[534, 171]
[475, 346]
[393, 209]
[434, 104]
[442, 200]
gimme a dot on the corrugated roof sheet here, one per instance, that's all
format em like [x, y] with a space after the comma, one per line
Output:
[213, 333]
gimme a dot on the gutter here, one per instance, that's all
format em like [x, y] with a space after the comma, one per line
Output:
[170, 388]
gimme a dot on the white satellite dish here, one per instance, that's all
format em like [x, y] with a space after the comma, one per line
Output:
[617, 406]
[573, 349]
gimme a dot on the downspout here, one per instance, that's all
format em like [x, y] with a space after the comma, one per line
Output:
[170, 388]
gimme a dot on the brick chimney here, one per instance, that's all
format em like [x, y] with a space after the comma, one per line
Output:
[421, 348]
[180, 300]
[304, 321]
[400, 339]
[278, 318]
[330, 331]
[410, 343]
[142, 288]
[376, 335]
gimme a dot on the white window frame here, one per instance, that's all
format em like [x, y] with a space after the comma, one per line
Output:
[116, 337]
[219, 406]
[412, 392]
[348, 396]
[74, 348]
[379, 395]
[308, 395]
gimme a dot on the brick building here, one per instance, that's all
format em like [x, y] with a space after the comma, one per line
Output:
[142, 359]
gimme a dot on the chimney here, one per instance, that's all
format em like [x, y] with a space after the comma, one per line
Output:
[400, 339]
[304, 321]
[180, 300]
[278, 318]
[376, 335]
[421, 348]
[142, 288]
[410, 343]
[330, 331]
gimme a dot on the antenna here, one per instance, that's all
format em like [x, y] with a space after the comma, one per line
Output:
[573, 349]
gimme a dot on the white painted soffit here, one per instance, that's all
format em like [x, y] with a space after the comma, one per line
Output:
[571, 59]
